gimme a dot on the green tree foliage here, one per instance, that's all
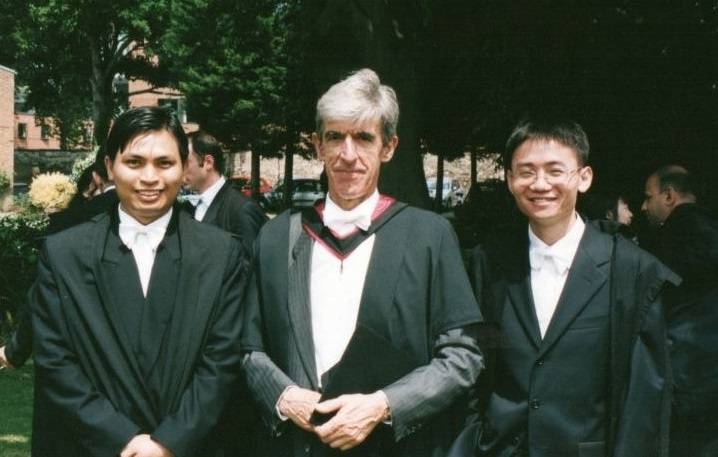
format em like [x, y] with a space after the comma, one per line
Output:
[69, 52]
[227, 59]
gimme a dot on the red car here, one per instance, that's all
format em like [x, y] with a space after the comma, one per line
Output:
[243, 184]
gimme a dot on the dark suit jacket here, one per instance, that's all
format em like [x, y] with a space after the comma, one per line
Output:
[594, 385]
[235, 213]
[110, 364]
[416, 295]
[688, 243]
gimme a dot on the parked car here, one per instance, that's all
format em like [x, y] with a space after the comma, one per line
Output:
[244, 185]
[305, 192]
[452, 193]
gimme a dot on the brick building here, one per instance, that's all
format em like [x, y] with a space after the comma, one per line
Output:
[7, 122]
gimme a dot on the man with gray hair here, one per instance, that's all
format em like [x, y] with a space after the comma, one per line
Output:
[688, 243]
[361, 328]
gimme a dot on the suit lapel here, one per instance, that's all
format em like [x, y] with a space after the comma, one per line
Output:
[112, 286]
[210, 217]
[588, 273]
[298, 303]
[518, 286]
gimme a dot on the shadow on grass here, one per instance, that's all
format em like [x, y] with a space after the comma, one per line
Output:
[15, 411]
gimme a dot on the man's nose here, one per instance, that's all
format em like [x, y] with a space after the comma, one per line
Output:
[149, 174]
[644, 206]
[540, 182]
[349, 151]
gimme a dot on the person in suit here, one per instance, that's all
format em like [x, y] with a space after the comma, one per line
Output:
[361, 299]
[688, 243]
[223, 206]
[18, 348]
[136, 313]
[575, 339]
[219, 203]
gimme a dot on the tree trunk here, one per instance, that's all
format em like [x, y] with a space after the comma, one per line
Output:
[438, 197]
[102, 105]
[255, 175]
[474, 166]
[288, 173]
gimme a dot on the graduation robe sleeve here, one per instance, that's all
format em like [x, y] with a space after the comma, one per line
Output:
[456, 359]
[105, 430]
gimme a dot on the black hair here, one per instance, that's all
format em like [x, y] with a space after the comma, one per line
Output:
[564, 131]
[141, 120]
[597, 205]
[204, 144]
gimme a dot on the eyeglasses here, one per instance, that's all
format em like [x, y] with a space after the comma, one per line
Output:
[552, 176]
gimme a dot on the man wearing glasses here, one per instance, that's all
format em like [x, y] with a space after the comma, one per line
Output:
[576, 356]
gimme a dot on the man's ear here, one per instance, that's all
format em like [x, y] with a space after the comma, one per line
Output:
[108, 167]
[208, 159]
[671, 197]
[585, 178]
[387, 151]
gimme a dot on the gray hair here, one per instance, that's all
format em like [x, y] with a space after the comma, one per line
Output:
[359, 98]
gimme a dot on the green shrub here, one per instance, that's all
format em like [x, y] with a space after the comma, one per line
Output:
[4, 182]
[20, 238]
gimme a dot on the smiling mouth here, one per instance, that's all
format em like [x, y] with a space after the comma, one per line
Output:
[149, 194]
[541, 200]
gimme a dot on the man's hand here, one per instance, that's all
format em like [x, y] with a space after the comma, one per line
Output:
[356, 416]
[144, 446]
[298, 405]
[4, 362]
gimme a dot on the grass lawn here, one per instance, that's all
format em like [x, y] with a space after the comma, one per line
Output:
[15, 411]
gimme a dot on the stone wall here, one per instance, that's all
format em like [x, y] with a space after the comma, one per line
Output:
[7, 130]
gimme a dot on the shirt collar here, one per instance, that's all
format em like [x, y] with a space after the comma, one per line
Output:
[343, 221]
[208, 195]
[561, 252]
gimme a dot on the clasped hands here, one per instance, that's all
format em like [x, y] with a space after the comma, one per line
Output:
[145, 446]
[355, 416]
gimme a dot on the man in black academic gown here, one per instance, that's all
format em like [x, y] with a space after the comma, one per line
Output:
[576, 355]
[220, 204]
[136, 312]
[361, 299]
[688, 243]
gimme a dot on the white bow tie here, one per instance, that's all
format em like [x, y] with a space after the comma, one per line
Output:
[131, 234]
[543, 258]
[344, 221]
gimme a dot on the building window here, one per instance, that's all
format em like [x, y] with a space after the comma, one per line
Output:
[45, 132]
[22, 130]
[177, 105]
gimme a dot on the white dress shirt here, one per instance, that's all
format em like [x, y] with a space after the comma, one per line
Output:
[143, 241]
[549, 269]
[337, 284]
[206, 198]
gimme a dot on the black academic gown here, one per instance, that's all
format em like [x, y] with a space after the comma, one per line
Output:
[233, 212]
[594, 386]
[415, 296]
[688, 243]
[236, 213]
[110, 364]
